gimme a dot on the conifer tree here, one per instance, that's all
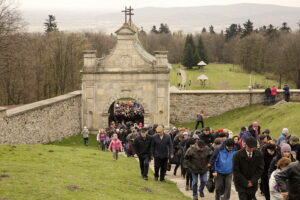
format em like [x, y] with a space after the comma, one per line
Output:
[50, 24]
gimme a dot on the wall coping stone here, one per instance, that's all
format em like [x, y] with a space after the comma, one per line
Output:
[227, 91]
[41, 104]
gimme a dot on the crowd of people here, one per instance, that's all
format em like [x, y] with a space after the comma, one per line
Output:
[252, 159]
[128, 111]
[271, 94]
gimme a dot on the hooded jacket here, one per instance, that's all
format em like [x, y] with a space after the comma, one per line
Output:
[197, 160]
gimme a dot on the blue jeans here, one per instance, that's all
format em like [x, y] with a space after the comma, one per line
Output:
[203, 179]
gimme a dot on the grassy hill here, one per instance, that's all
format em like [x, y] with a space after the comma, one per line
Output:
[68, 170]
[273, 117]
[220, 77]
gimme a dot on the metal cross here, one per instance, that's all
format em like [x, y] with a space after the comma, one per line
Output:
[129, 10]
[125, 11]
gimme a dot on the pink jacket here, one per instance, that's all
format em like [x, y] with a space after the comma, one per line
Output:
[115, 145]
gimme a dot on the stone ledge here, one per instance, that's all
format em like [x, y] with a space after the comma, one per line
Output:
[41, 104]
[227, 91]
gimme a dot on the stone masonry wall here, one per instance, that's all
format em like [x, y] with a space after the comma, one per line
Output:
[184, 105]
[43, 121]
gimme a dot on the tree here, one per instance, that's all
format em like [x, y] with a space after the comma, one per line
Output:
[190, 55]
[203, 30]
[154, 30]
[211, 29]
[201, 51]
[164, 28]
[50, 24]
[285, 28]
[248, 28]
[231, 32]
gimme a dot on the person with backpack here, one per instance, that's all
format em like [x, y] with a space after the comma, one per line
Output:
[221, 167]
[200, 119]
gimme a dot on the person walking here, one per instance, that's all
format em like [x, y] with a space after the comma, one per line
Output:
[85, 134]
[248, 166]
[101, 138]
[198, 157]
[289, 180]
[286, 92]
[221, 167]
[161, 151]
[200, 119]
[142, 150]
[115, 146]
[275, 194]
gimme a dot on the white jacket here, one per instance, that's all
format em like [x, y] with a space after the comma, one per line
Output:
[274, 194]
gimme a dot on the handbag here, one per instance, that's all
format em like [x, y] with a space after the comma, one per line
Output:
[210, 184]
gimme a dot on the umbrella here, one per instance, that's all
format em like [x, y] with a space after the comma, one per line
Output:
[202, 77]
[202, 63]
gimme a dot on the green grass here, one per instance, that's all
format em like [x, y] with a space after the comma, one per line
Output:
[224, 77]
[273, 117]
[37, 173]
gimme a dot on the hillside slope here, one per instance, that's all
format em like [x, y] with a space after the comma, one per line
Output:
[273, 117]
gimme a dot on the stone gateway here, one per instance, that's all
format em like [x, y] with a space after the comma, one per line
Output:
[128, 72]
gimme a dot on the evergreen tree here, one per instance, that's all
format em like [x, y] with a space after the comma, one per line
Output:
[231, 32]
[248, 28]
[201, 51]
[154, 30]
[203, 30]
[285, 28]
[50, 24]
[190, 55]
[211, 29]
[164, 28]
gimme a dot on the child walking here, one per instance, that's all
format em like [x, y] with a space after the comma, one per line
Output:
[101, 138]
[115, 146]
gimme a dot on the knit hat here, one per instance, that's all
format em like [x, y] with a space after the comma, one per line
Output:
[267, 131]
[294, 139]
[251, 142]
[285, 131]
[271, 147]
[229, 142]
[220, 130]
[285, 147]
[201, 143]
[195, 136]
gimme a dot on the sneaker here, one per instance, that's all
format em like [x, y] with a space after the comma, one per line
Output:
[163, 181]
[156, 178]
[195, 198]
[201, 194]
[145, 178]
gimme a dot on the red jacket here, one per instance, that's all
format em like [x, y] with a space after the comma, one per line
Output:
[273, 91]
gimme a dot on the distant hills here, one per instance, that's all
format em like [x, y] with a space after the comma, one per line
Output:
[188, 19]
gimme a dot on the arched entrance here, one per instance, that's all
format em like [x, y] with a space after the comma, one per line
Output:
[126, 111]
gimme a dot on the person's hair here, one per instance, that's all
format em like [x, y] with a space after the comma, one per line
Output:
[201, 143]
[283, 162]
[262, 137]
[243, 128]
[217, 141]
[236, 136]
[229, 142]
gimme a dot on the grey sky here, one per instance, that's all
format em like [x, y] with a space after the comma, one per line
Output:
[115, 5]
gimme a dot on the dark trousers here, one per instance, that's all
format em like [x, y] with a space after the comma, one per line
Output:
[287, 97]
[103, 145]
[247, 196]
[160, 164]
[188, 178]
[223, 186]
[264, 187]
[86, 141]
[144, 165]
[273, 98]
[197, 124]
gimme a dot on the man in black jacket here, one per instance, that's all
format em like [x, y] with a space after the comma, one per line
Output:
[142, 150]
[161, 150]
[289, 180]
[248, 166]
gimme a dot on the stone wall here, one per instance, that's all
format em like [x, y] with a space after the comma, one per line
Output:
[184, 105]
[43, 121]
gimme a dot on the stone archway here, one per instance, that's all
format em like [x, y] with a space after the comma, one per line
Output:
[143, 77]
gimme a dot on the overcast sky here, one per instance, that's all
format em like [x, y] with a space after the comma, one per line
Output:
[115, 5]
